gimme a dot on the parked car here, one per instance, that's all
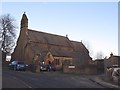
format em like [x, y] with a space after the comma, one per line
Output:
[18, 65]
[46, 67]
[52, 68]
[116, 74]
[43, 67]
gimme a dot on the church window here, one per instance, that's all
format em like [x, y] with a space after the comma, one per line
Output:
[57, 62]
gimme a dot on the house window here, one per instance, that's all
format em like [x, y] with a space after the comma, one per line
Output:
[57, 62]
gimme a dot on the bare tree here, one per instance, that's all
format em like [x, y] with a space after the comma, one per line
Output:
[88, 46]
[100, 55]
[7, 34]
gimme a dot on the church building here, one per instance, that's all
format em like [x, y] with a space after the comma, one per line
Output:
[35, 47]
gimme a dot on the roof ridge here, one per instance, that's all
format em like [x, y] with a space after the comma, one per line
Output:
[116, 56]
[46, 33]
[75, 41]
[49, 38]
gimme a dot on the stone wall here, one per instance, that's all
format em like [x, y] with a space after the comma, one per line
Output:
[80, 70]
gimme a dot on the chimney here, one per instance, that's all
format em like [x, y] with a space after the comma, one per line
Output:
[111, 54]
[66, 35]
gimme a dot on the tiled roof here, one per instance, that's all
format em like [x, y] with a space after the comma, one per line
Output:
[78, 46]
[76, 49]
[48, 38]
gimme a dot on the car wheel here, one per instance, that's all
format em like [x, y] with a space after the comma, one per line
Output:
[15, 68]
[9, 68]
[53, 69]
[48, 70]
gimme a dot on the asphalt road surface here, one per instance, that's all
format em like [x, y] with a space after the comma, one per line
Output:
[27, 79]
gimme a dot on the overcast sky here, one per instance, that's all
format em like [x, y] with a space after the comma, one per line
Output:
[95, 23]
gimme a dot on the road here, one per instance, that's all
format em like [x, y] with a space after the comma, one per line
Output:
[27, 79]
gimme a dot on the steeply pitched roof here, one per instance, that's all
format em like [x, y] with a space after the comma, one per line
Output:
[54, 52]
[61, 53]
[48, 38]
[78, 46]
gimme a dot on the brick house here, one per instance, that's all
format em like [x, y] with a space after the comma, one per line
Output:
[109, 64]
[113, 60]
[34, 47]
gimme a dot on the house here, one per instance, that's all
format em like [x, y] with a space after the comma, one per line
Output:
[109, 64]
[112, 61]
[35, 47]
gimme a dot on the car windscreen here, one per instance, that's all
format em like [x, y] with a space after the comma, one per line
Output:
[20, 62]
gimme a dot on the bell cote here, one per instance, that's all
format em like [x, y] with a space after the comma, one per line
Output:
[24, 21]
